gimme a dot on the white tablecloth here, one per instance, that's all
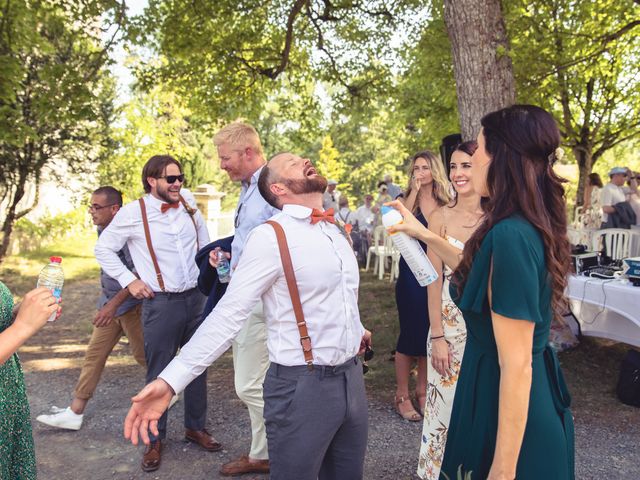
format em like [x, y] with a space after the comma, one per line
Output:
[606, 308]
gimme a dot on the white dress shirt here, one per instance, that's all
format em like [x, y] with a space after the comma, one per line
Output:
[252, 210]
[365, 218]
[174, 242]
[327, 276]
[611, 194]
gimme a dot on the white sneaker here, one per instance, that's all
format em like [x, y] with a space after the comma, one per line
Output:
[66, 418]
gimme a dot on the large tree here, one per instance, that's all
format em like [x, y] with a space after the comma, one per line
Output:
[55, 95]
[580, 61]
[482, 66]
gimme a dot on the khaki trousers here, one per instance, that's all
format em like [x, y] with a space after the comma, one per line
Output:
[102, 341]
[250, 363]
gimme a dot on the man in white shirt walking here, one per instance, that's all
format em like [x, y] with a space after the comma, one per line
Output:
[241, 156]
[163, 231]
[315, 402]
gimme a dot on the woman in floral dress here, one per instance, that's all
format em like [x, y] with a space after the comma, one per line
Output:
[17, 459]
[447, 338]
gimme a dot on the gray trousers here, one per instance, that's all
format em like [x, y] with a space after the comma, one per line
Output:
[316, 421]
[169, 320]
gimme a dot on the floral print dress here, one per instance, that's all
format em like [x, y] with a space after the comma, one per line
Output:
[441, 390]
[17, 458]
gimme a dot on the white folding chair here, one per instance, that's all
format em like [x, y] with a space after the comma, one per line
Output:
[381, 249]
[395, 265]
[615, 241]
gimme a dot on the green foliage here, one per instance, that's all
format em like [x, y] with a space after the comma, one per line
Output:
[49, 229]
[329, 164]
[579, 60]
[158, 123]
[55, 93]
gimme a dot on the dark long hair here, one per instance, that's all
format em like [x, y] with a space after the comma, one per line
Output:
[522, 140]
[595, 180]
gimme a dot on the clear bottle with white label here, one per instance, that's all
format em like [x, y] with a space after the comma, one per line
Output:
[224, 268]
[52, 277]
[410, 249]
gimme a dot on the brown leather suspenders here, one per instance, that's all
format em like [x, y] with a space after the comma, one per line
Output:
[147, 235]
[305, 340]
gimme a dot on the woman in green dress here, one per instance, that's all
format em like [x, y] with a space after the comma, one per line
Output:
[17, 459]
[511, 415]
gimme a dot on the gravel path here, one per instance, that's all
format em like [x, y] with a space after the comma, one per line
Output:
[607, 437]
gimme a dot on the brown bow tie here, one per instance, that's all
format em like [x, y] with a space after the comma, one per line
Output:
[166, 206]
[318, 216]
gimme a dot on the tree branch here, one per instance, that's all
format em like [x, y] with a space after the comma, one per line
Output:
[273, 73]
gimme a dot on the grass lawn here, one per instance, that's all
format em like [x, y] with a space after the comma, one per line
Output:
[20, 272]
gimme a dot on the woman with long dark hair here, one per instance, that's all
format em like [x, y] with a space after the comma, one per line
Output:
[511, 416]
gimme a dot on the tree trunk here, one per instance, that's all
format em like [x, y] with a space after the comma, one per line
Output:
[12, 212]
[482, 67]
[7, 226]
[584, 157]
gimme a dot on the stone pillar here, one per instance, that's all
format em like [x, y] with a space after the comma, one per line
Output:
[209, 200]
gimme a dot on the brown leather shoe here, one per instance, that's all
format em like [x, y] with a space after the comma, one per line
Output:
[203, 438]
[151, 457]
[242, 465]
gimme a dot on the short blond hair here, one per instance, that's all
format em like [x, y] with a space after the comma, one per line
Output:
[239, 134]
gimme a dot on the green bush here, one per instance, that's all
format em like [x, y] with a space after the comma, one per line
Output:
[47, 229]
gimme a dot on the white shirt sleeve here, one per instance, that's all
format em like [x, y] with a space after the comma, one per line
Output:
[110, 242]
[605, 197]
[258, 269]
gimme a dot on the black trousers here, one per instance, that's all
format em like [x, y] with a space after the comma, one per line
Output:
[169, 320]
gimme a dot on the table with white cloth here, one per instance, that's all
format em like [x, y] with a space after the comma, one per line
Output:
[606, 308]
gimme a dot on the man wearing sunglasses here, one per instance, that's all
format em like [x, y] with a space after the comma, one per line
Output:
[241, 156]
[315, 401]
[163, 231]
[118, 314]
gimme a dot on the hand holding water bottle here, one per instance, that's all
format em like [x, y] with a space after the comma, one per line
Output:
[219, 260]
[37, 307]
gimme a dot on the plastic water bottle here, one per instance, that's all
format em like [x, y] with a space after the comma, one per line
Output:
[224, 268]
[409, 248]
[52, 277]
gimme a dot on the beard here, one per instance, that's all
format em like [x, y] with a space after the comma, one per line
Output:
[316, 184]
[163, 193]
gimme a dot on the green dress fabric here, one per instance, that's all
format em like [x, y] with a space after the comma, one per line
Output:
[17, 457]
[520, 290]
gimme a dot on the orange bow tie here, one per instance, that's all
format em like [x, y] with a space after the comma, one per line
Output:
[166, 206]
[318, 216]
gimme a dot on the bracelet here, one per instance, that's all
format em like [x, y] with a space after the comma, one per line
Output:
[438, 337]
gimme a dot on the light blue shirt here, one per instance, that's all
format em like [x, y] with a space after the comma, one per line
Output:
[252, 210]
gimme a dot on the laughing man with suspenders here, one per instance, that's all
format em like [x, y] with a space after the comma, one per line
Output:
[304, 270]
[163, 231]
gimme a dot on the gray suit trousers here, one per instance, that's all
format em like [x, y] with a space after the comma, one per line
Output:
[169, 320]
[316, 421]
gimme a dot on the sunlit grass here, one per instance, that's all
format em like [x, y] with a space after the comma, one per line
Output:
[20, 272]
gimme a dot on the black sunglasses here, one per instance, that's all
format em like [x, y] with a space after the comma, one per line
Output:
[172, 178]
